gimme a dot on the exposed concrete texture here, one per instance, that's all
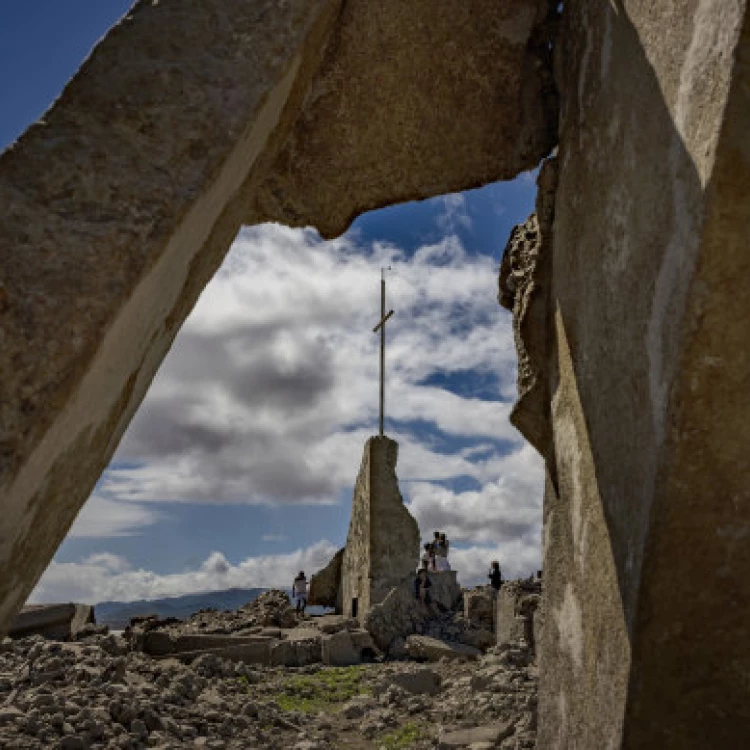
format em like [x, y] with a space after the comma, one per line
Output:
[56, 621]
[479, 607]
[380, 123]
[524, 287]
[517, 609]
[120, 204]
[325, 585]
[382, 547]
[399, 614]
[645, 639]
[117, 209]
[433, 649]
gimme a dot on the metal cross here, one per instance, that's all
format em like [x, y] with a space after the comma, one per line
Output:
[381, 327]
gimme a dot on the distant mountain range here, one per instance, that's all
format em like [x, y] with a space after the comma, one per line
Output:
[118, 614]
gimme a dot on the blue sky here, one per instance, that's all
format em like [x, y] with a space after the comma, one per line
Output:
[239, 466]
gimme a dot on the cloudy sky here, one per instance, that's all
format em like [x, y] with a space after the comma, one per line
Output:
[239, 467]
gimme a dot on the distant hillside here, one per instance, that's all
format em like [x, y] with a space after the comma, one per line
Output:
[117, 614]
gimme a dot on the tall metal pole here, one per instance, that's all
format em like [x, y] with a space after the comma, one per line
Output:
[382, 351]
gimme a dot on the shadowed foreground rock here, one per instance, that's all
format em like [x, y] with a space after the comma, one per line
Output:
[633, 326]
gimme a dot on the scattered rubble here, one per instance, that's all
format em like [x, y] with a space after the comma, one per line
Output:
[265, 677]
[98, 694]
[59, 621]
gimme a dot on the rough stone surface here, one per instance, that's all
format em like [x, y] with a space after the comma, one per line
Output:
[417, 681]
[479, 607]
[518, 605]
[524, 288]
[399, 614]
[382, 547]
[339, 650]
[325, 585]
[432, 649]
[59, 621]
[468, 737]
[646, 599]
[98, 693]
[381, 114]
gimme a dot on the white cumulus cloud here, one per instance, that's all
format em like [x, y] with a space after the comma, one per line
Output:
[107, 577]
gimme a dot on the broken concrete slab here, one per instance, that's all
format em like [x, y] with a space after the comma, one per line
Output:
[422, 681]
[491, 734]
[339, 650]
[334, 623]
[160, 642]
[381, 116]
[298, 652]
[258, 652]
[55, 621]
[432, 649]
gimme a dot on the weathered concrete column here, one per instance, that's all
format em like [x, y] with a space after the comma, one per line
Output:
[647, 516]
[117, 208]
[382, 547]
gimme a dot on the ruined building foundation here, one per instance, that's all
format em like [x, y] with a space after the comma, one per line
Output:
[631, 309]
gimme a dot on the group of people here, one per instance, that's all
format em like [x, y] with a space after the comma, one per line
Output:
[435, 555]
[423, 584]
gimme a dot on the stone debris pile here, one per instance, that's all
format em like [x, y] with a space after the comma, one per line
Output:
[271, 609]
[96, 694]
[264, 677]
[266, 631]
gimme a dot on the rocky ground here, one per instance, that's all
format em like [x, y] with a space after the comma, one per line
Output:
[99, 693]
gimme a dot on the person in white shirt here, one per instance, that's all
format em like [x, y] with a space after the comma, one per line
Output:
[441, 552]
[299, 591]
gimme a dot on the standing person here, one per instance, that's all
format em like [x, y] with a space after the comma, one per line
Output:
[422, 585]
[428, 557]
[299, 591]
[445, 546]
[496, 577]
[441, 553]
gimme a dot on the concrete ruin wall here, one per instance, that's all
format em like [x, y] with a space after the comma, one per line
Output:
[195, 116]
[355, 564]
[189, 119]
[325, 585]
[382, 547]
[638, 373]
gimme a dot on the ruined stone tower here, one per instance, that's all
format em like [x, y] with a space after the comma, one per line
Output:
[382, 548]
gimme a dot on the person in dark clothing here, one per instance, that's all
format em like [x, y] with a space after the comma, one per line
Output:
[422, 585]
[495, 575]
[428, 557]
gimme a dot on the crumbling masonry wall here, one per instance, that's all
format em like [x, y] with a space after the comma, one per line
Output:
[382, 547]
